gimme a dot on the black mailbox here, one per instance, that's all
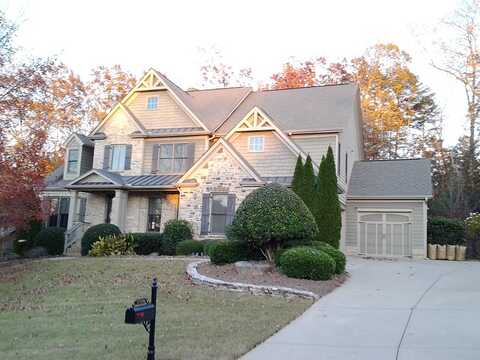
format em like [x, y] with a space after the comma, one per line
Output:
[138, 314]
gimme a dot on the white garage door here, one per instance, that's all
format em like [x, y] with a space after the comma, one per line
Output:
[385, 234]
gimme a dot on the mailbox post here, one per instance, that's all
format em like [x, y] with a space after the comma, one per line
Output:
[143, 312]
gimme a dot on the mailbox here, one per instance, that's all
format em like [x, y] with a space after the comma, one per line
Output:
[138, 314]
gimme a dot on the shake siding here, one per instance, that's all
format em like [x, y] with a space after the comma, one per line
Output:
[117, 130]
[417, 216]
[199, 141]
[275, 160]
[87, 159]
[316, 146]
[167, 114]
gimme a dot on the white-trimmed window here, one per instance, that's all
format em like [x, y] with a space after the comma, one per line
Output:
[256, 143]
[152, 102]
[118, 155]
[72, 164]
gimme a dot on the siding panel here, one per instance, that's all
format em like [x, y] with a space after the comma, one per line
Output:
[167, 115]
[275, 160]
[316, 146]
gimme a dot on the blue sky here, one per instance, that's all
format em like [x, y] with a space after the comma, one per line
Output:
[264, 34]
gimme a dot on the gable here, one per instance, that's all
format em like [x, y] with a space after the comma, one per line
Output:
[94, 179]
[119, 122]
[168, 113]
[275, 160]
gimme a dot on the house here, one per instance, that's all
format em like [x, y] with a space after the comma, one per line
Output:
[164, 153]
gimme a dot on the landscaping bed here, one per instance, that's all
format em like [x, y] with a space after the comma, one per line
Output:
[74, 309]
[274, 278]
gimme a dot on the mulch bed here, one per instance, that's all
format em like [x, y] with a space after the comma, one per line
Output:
[274, 278]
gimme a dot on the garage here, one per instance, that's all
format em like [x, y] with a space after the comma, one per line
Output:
[386, 210]
[383, 233]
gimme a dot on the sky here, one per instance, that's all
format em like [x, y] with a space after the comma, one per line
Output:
[261, 34]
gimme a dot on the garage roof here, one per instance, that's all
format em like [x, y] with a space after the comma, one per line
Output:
[410, 178]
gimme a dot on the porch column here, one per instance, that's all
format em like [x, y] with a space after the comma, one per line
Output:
[119, 209]
[72, 209]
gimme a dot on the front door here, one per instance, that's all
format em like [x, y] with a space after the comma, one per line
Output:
[384, 234]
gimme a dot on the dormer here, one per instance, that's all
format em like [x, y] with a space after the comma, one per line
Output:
[78, 156]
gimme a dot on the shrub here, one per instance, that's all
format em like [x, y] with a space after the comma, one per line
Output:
[112, 245]
[189, 247]
[339, 257]
[473, 225]
[52, 239]
[271, 216]
[147, 243]
[307, 263]
[227, 252]
[26, 236]
[174, 232]
[445, 231]
[94, 233]
[208, 245]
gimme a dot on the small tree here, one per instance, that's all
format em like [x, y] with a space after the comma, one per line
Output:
[328, 219]
[308, 186]
[297, 181]
[271, 216]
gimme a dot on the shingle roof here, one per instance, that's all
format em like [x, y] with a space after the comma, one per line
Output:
[311, 108]
[84, 139]
[391, 178]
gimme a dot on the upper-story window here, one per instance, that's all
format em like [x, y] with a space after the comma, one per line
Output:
[117, 157]
[174, 158]
[256, 143]
[72, 162]
[152, 102]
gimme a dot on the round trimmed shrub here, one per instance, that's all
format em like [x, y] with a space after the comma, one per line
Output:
[174, 232]
[227, 252]
[307, 263]
[335, 254]
[52, 239]
[25, 238]
[271, 216]
[189, 247]
[208, 245]
[94, 233]
[147, 243]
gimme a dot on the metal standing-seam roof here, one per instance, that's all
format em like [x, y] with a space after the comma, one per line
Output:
[151, 180]
[410, 178]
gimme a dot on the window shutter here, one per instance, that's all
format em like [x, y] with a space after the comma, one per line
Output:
[190, 155]
[106, 157]
[205, 214]
[128, 157]
[155, 158]
[230, 208]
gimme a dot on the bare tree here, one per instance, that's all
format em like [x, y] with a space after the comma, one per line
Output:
[460, 58]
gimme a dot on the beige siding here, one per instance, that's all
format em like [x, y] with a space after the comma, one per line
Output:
[117, 130]
[201, 143]
[275, 160]
[137, 210]
[316, 145]
[418, 222]
[167, 115]
[95, 213]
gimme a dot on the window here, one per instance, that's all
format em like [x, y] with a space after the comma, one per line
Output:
[218, 214]
[256, 143]
[58, 212]
[118, 155]
[154, 214]
[72, 164]
[174, 158]
[152, 102]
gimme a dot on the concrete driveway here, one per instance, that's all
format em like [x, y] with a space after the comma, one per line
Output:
[403, 309]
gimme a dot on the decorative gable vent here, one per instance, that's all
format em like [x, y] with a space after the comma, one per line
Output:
[255, 122]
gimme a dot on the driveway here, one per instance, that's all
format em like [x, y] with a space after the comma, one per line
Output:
[403, 309]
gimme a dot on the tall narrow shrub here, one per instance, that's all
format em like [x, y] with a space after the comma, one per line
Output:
[329, 219]
[297, 181]
[308, 186]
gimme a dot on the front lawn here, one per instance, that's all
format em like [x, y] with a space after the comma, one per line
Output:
[74, 309]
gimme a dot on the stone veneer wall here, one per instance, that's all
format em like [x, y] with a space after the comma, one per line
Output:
[221, 173]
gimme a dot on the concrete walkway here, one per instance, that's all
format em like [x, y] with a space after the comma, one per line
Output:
[404, 309]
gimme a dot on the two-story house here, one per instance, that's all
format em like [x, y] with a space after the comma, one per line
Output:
[164, 153]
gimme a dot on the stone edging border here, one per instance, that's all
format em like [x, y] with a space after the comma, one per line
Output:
[253, 289]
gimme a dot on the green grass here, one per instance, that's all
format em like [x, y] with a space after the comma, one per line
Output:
[74, 309]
